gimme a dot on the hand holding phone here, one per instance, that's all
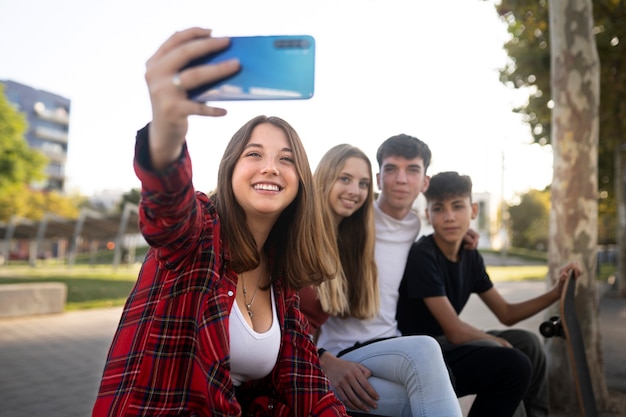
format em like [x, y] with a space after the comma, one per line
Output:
[272, 68]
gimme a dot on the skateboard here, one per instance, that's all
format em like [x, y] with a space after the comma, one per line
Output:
[567, 326]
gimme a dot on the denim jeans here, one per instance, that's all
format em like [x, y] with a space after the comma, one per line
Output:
[410, 377]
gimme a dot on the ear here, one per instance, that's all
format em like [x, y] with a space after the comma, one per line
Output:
[378, 181]
[426, 183]
[474, 210]
[427, 213]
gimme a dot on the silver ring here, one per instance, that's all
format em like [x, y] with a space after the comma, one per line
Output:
[177, 83]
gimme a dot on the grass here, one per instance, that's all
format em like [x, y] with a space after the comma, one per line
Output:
[87, 287]
[518, 273]
[539, 269]
[101, 286]
[539, 272]
[524, 254]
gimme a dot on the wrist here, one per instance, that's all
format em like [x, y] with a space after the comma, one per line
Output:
[323, 356]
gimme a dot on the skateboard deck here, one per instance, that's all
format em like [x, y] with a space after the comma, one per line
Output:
[576, 349]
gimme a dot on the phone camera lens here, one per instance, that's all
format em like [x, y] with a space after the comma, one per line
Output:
[292, 43]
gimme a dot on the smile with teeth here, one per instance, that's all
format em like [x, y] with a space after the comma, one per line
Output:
[266, 187]
[348, 202]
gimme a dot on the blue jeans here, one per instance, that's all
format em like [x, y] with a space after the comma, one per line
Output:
[410, 377]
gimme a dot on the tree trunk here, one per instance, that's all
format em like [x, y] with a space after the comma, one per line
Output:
[574, 214]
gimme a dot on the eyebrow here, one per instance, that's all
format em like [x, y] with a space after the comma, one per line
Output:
[392, 165]
[258, 145]
[451, 200]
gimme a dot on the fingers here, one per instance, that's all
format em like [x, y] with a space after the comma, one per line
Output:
[572, 267]
[164, 69]
[362, 393]
[193, 107]
[349, 400]
[350, 382]
[196, 76]
[178, 38]
[355, 396]
[168, 82]
[471, 239]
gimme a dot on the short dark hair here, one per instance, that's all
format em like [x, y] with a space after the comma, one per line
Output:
[448, 184]
[405, 146]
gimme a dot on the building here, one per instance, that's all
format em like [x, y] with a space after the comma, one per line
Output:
[48, 117]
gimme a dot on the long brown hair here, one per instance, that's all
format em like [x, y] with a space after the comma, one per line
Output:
[354, 291]
[301, 251]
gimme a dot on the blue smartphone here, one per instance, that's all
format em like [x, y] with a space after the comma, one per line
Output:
[272, 68]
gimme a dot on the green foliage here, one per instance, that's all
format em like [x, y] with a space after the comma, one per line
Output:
[529, 69]
[607, 221]
[133, 196]
[529, 220]
[19, 164]
[20, 200]
[102, 287]
[518, 273]
[531, 256]
[86, 287]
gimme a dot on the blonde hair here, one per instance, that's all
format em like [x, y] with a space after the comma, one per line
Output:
[354, 291]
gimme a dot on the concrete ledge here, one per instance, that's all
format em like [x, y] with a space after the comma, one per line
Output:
[32, 298]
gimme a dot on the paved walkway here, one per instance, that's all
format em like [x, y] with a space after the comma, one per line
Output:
[50, 366]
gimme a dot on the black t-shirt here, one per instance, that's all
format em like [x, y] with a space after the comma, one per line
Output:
[429, 273]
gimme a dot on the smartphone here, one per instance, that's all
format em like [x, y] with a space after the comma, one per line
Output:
[272, 68]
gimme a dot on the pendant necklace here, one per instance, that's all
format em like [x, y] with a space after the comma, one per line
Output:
[245, 294]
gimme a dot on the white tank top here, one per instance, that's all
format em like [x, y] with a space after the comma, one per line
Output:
[252, 355]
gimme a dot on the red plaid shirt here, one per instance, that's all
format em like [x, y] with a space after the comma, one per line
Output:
[170, 354]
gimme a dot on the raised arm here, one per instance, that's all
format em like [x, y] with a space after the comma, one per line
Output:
[168, 84]
[168, 207]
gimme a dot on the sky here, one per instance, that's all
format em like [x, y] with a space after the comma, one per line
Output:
[425, 68]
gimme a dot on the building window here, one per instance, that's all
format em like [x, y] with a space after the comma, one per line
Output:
[55, 170]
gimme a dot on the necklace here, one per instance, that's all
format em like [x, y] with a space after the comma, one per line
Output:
[245, 294]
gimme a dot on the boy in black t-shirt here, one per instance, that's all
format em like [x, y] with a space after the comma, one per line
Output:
[439, 278]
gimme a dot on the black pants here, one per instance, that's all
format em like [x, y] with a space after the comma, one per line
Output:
[536, 399]
[498, 376]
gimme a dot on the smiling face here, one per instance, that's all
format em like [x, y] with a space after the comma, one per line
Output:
[265, 180]
[350, 189]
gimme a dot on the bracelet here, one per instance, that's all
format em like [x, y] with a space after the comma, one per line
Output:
[320, 352]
